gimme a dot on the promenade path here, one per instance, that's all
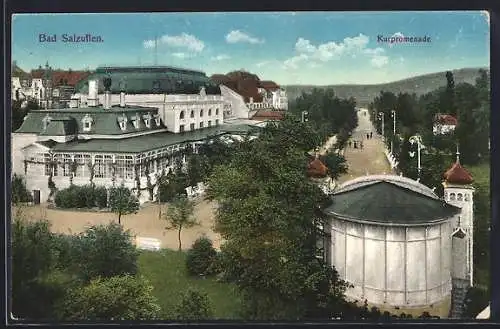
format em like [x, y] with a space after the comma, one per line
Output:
[370, 160]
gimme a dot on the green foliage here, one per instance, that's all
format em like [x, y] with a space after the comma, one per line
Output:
[104, 251]
[18, 112]
[268, 214]
[174, 184]
[32, 258]
[476, 300]
[87, 196]
[336, 164]
[122, 201]
[194, 305]
[19, 191]
[116, 298]
[201, 256]
[180, 215]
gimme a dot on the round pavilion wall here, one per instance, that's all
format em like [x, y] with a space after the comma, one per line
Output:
[393, 265]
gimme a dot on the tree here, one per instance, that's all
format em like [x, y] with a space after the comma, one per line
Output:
[20, 193]
[122, 202]
[104, 251]
[336, 164]
[200, 257]
[32, 258]
[116, 298]
[180, 215]
[19, 112]
[194, 305]
[197, 169]
[269, 214]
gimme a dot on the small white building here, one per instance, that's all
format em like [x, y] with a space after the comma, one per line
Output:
[399, 244]
[444, 124]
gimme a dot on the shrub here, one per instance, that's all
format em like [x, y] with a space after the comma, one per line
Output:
[194, 306]
[200, 257]
[19, 191]
[87, 196]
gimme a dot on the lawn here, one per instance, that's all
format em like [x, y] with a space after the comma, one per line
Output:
[166, 271]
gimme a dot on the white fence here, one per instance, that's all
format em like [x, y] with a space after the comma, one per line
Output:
[392, 160]
[147, 243]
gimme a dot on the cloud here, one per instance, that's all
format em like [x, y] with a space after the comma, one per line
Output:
[180, 55]
[184, 40]
[220, 57]
[349, 46]
[237, 36]
[397, 36]
[379, 61]
[263, 63]
[293, 63]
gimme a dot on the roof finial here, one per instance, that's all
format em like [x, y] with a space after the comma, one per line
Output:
[458, 154]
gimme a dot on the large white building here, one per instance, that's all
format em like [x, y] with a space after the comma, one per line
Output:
[398, 244]
[124, 125]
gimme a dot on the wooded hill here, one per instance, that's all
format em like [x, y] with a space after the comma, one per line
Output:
[364, 94]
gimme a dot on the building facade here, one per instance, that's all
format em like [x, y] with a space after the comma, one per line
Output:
[105, 138]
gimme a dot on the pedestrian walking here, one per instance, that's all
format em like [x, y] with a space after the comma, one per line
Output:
[367, 136]
[371, 134]
[349, 143]
[361, 145]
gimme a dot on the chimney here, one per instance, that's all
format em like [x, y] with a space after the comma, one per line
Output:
[251, 100]
[93, 99]
[107, 93]
[122, 99]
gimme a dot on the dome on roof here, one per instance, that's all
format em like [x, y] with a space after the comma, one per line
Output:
[458, 175]
[389, 200]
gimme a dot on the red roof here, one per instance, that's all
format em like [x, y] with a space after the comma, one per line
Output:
[244, 83]
[268, 115]
[445, 119]
[269, 85]
[316, 168]
[458, 175]
[59, 77]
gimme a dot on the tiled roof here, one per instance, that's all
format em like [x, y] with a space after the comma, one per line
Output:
[445, 119]
[151, 80]
[269, 85]
[268, 115]
[60, 127]
[105, 121]
[316, 168]
[69, 78]
[388, 202]
[458, 175]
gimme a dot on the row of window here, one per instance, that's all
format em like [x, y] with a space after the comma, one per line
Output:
[147, 118]
[458, 197]
[182, 114]
[192, 126]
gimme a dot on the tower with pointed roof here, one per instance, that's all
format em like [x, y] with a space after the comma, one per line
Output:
[458, 191]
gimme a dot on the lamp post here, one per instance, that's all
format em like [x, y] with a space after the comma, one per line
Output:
[381, 118]
[393, 115]
[417, 139]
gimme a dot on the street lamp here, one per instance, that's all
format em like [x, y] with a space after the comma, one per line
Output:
[381, 118]
[393, 115]
[417, 139]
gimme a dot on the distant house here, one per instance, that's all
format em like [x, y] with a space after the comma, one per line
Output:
[444, 124]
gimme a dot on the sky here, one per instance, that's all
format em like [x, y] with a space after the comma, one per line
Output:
[317, 48]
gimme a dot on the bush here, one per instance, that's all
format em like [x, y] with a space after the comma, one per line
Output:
[201, 257]
[87, 196]
[19, 191]
[194, 306]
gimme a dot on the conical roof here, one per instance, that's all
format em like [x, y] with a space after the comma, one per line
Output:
[458, 175]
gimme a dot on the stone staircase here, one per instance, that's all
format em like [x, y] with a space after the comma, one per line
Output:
[458, 294]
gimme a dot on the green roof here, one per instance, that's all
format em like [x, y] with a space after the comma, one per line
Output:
[105, 121]
[385, 202]
[146, 143]
[151, 80]
[60, 127]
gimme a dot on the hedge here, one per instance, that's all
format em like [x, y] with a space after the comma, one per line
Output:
[87, 196]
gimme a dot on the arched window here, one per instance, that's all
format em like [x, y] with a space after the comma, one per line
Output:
[201, 113]
[216, 111]
[209, 112]
[452, 196]
[192, 114]
[181, 115]
[459, 196]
